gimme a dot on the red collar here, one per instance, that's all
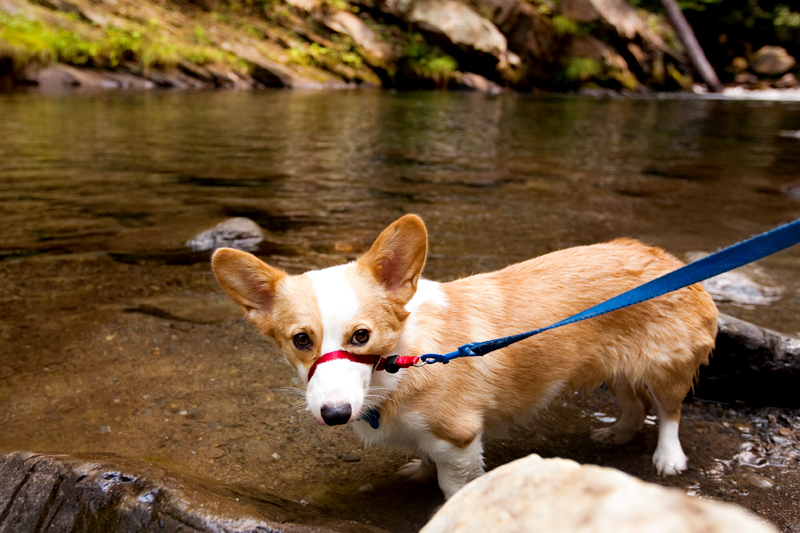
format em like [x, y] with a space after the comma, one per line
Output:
[391, 364]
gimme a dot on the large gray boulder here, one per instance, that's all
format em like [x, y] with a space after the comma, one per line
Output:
[459, 27]
[559, 495]
[461, 24]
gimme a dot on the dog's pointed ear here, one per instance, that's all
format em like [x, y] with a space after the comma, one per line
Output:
[397, 256]
[249, 281]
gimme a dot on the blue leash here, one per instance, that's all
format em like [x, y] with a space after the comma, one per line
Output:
[732, 257]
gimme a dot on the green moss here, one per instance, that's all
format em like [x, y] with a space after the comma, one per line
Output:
[580, 69]
[317, 55]
[429, 62]
[28, 40]
[565, 26]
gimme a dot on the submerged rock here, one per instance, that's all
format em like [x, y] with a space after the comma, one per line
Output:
[738, 287]
[63, 493]
[747, 285]
[239, 232]
[559, 495]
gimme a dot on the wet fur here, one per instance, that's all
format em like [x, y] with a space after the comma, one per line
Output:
[647, 354]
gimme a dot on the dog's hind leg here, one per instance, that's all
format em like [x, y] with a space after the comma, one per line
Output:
[668, 394]
[634, 404]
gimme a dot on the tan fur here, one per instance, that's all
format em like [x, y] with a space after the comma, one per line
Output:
[658, 344]
[646, 353]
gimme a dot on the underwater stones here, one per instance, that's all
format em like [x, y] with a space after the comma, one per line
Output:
[738, 287]
[758, 481]
[559, 495]
[748, 285]
[64, 493]
[238, 232]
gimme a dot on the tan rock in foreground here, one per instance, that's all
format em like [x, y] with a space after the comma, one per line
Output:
[559, 495]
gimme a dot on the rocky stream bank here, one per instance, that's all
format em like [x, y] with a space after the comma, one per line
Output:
[482, 45]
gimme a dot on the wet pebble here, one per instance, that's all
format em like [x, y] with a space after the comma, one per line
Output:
[786, 432]
[366, 488]
[758, 481]
[351, 458]
[780, 441]
[741, 427]
[148, 497]
[105, 429]
[214, 453]
[748, 458]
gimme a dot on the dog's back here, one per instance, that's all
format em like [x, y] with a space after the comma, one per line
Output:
[656, 345]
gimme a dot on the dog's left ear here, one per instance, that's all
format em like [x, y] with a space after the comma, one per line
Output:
[397, 257]
[250, 282]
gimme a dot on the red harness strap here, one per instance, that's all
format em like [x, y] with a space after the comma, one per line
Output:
[370, 360]
[391, 364]
[395, 362]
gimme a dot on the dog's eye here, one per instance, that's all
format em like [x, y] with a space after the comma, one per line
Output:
[360, 336]
[302, 341]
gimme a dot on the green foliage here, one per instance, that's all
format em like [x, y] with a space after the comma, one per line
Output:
[340, 5]
[565, 26]
[697, 5]
[429, 62]
[580, 69]
[756, 22]
[786, 17]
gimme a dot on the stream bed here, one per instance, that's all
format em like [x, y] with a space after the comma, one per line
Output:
[116, 339]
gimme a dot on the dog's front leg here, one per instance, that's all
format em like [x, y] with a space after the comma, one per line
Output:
[455, 465]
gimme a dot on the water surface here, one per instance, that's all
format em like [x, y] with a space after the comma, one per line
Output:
[99, 192]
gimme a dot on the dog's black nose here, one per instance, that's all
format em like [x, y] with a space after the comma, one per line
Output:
[335, 416]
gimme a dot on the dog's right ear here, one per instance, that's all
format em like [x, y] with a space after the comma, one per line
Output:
[249, 281]
[397, 257]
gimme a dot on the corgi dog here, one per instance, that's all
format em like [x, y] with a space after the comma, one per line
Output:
[334, 324]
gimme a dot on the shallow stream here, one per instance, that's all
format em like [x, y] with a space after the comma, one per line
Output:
[116, 338]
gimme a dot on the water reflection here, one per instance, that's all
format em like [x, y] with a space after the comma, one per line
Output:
[498, 179]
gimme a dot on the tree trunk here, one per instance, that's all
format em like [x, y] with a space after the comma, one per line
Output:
[689, 41]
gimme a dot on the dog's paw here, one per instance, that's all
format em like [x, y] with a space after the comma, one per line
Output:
[612, 435]
[417, 471]
[669, 464]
